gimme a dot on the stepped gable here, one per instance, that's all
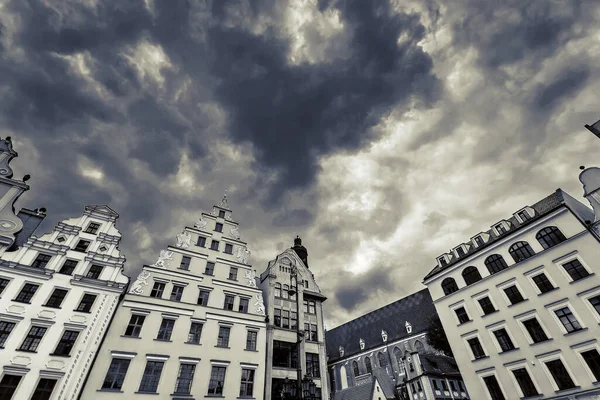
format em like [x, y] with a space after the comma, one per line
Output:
[416, 309]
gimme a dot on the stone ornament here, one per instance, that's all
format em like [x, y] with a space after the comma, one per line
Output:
[6, 155]
[137, 287]
[361, 342]
[201, 223]
[250, 275]
[259, 306]
[164, 259]
[408, 327]
[184, 240]
[341, 350]
[243, 254]
[224, 201]
[384, 336]
[228, 217]
[234, 232]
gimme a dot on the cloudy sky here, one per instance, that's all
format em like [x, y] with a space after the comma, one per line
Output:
[383, 132]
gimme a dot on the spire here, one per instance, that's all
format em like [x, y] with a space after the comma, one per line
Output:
[300, 250]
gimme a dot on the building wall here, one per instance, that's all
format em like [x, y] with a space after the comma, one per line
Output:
[579, 244]
[91, 326]
[212, 316]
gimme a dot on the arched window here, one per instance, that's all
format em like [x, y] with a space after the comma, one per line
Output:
[418, 346]
[495, 263]
[278, 290]
[398, 356]
[550, 236]
[449, 285]
[344, 377]
[471, 275]
[521, 251]
[355, 368]
[286, 290]
[383, 362]
[368, 365]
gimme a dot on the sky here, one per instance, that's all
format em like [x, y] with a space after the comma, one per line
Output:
[382, 132]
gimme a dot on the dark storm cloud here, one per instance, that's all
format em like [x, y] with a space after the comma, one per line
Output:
[568, 82]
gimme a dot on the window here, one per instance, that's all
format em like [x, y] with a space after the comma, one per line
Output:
[210, 268]
[311, 332]
[293, 320]
[116, 374]
[525, 383]
[312, 307]
[449, 286]
[305, 284]
[195, 333]
[479, 241]
[41, 261]
[521, 251]
[221, 214]
[247, 383]
[286, 291]
[203, 297]
[486, 305]
[233, 273]
[495, 263]
[86, 303]
[444, 385]
[217, 380]
[157, 290]
[460, 252]
[3, 284]
[285, 354]
[277, 317]
[228, 248]
[185, 263]
[8, 386]
[285, 319]
[523, 216]
[418, 345]
[278, 290]
[568, 320]
[214, 245]
[68, 267]
[94, 272]
[443, 261]
[26, 293]
[500, 229]
[151, 376]
[229, 299]
[5, 329]
[219, 227]
[513, 294]
[92, 228]
[575, 270]
[166, 329]
[243, 307]
[223, 339]
[66, 343]
[595, 302]
[535, 330]
[504, 340]
[33, 338]
[471, 275]
[419, 388]
[312, 365]
[176, 293]
[550, 236]
[368, 365]
[251, 337]
[452, 386]
[134, 328]
[543, 283]
[56, 298]
[493, 387]
[355, 368]
[435, 384]
[559, 373]
[201, 241]
[82, 246]
[592, 359]
[44, 389]
[185, 378]
[476, 348]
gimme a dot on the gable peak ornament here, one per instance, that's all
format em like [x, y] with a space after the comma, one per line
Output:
[341, 349]
[408, 327]
[361, 342]
[201, 223]
[384, 336]
[224, 201]
[184, 240]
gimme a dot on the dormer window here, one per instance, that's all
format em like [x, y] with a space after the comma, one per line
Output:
[221, 214]
[478, 241]
[500, 229]
[523, 216]
[341, 350]
[442, 261]
[459, 251]
[408, 327]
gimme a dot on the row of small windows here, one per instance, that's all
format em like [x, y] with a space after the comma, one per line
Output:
[203, 296]
[42, 260]
[548, 237]
[214, 245]
[35, 336]
[10, 383]
[28, 290]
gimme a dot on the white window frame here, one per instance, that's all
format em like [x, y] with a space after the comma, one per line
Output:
[456, 306]
[497, 326]
[535, 272]
[559, 262]
[504, 225]
[507, 284]
[473, 240]
[562, 304]
[472, 335]
[555, 355]
[585, 346]
[586, 296]
[526, 210]
[528, 315]
[485, 388]
[464, 249]
[478, 296]
[519, 365]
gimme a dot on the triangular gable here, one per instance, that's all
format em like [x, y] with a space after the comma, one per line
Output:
[293, 256]
[102, 209]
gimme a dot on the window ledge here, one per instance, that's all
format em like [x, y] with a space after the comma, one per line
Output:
[130, 337]
[516, 304]
[582, 279]
[480, 358]
[84, 312]
[183, 395]
[549, 291]
[163, 340]
[217, 396]
[22, 302]
[543, 341]
[246, 397]
[209, 274]
[509, 351]
[27, 351]
[575, 332]
[196, 344]
[56, 308]
[464, 323]
[567, 390]
[222, 347]
[233, 280]
[60, 355]
[142, 392]
[535, 396]
[488, 314]
[256, 351]
[110, 390]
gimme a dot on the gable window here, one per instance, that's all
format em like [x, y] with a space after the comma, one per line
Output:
[495, 263]
[82, 246]
[219, 227]
[86, 303]
[151, 376]
[33, 339]
[134, 328]
[56, 298]
[223, 338]
[471, 275]
[229, 299]
[185, 263]
[66, 343]
[157, 290]
[195, 333]
[513, 294]
[26, 293]
[575, 270]
[210, 268]
[243, 307]
[41, 261]
[543, 283]
[92, 228]
[521, 251]
[550, 236]
[5, 329]
[221, 214]
[176, 293]
[228, 248]
[68, 267]
[504, 340]
[462, 315]
[535, 330]
[201, 241]
[94, 272]
[214, 245]
[560, 374]
[116, 374]
[233, 273]
[166, 329]
[449, 286]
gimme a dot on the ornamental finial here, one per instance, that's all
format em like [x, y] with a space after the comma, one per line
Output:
[224, 201]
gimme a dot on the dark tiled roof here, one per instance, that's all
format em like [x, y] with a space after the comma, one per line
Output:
[385, 381]
[415, 308]
[438, 364]
[365, 392]
[542, 207]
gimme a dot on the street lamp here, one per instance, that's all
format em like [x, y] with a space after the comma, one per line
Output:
[309, 388]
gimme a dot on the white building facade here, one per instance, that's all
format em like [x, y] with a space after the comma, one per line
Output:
[520, 304]
[58, 293]
[295, 331]
[192, 324]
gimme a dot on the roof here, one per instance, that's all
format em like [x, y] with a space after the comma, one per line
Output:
[385, 381]
[365, 392]
[415, 308]
[541, 208]
[438, 364]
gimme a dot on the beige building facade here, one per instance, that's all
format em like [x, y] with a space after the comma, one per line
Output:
[192, 324]
[520, 303]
